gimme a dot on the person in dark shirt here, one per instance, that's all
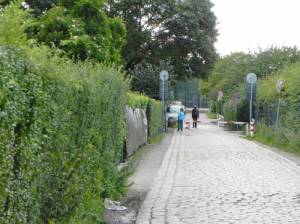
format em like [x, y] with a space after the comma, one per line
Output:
[195, 116]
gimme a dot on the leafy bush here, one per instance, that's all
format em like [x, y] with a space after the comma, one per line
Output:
[287, 132]
[81, 29]
[211, 115]
[267, 87]
[219, 107]
[229, 72]
[62, 129]
[154, 115]
[229, 75]
[153, 110]
[61, 133]
[145, 77]
[12, 26]
[136, 100]
[212, 106]
[230, 114]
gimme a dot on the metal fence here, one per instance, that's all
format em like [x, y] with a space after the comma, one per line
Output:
[280, 123]
[277, 113]
[188, 92]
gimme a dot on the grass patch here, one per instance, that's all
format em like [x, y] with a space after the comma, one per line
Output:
[156, 139]
[211, 115]
[277, 139]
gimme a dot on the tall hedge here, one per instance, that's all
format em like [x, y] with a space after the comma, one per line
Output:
[153, 110]
[61, 133]
[154, 114]
[136, 100]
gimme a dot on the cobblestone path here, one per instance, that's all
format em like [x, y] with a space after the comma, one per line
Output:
[212, 176]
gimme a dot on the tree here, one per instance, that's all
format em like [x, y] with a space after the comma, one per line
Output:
[145, 77]
[81, 29]
[189, 38]
[182, 32]
[38, 6]
[13, 25]
[268, 61]
[41, 6]
[228, 73]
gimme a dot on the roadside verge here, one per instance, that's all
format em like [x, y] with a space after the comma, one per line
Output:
[146, 163]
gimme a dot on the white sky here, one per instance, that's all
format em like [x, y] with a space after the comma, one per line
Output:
[245, 25]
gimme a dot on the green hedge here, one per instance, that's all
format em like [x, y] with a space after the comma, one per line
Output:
[61, 133]
[287, 134]
[136, 100]
[154, 115]
[153, 110]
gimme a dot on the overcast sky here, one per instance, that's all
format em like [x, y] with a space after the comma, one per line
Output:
[245, 25]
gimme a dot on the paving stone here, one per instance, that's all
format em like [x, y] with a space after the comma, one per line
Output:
[212, 176]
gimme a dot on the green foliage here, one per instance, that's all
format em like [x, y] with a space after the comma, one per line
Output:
[153, 110]
[13, 25]
[243, 109]
[212, 107]
[62, 124]
[136, 100]
[61, 133]
[219, 107]
[267, 87]
[279, 138]
[188, 38]
[228, 73]
[80, 29]
[37, 6]
[154, 114]
[212, 115]
[230, 113]
[274, 59]
[287, 134]
[145, 77]
[182, 32]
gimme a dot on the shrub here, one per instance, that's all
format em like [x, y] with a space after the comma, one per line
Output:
[219, 107]
[213, 106]
[154, 115]
[61, 134]
[153, 109]
[230, 114]
[286, 134]
[136, 100]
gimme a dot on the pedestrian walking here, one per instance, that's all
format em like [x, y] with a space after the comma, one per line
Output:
[181, 117]
[195, 116]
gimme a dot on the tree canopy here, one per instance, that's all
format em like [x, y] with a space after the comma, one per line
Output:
[80, 28]
[229, 72]
[141, 34]
[182, 32]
